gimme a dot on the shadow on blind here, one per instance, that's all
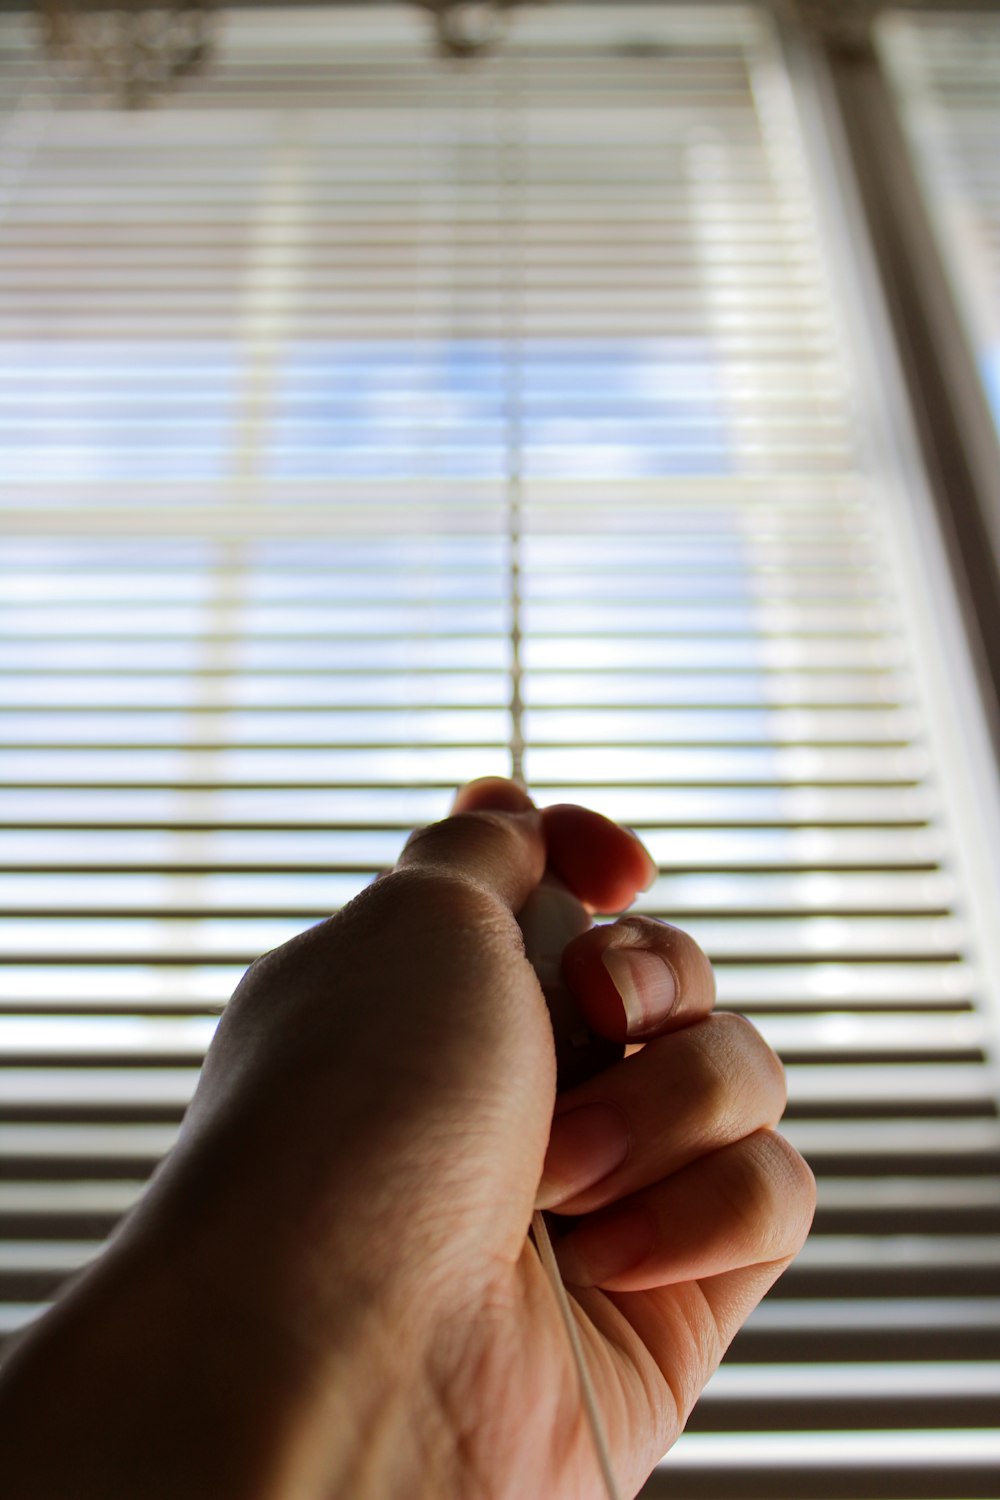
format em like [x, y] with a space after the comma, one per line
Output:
[366, 422]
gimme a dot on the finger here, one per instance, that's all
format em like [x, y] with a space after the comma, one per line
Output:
[638, 978]
[732, 1297]
[683, 1096]
[748, 1203]
[494, 841]
[687, 1327]
[496, 793]
[602, 863]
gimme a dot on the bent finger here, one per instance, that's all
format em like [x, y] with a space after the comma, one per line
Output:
[682, 1097]
[687, 1327]
[603, 864]
[748, 1203]
[638, 978]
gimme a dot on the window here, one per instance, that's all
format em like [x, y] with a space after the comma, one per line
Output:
[946, 71]
[368, 423]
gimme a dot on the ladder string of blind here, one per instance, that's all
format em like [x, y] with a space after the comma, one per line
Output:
[511, 172]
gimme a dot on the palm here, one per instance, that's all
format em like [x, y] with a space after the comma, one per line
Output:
[649, 1355]
[524, 1399]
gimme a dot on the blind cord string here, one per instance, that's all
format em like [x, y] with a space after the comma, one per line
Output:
[511, 177]
[511, 216]
[543, 1244]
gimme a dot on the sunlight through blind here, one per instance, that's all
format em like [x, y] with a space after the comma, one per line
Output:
[367, 423]
[946, 71]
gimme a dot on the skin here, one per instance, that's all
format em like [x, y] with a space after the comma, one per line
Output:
[329, 1289]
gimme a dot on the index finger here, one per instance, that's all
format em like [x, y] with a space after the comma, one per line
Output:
[603, 864]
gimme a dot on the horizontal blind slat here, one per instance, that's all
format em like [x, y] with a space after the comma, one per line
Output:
[258, 439]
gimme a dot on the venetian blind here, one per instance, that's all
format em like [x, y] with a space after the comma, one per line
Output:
[946, 71]
[368, 423]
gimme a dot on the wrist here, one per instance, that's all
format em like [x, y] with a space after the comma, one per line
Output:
[133, 1385]
[156, 1378]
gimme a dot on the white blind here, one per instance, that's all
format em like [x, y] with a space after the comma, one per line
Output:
[946, 71]
[368, 423]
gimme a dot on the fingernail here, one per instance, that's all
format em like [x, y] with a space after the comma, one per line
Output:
[646, 984]
[607, 1245]
[584, 1146]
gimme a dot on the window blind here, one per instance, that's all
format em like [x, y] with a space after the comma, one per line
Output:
[945, 68]
[368, 423]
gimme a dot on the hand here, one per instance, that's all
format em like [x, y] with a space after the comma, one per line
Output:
[328, 1289]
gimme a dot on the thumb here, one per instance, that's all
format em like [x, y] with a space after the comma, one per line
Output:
[492, 840]
[406, 1041]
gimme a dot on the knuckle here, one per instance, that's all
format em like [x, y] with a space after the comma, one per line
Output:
[707, 1069]
[439, 897]
[432, 837]
[800, 1182]
[754, 1053]
[781, 1192]
[747, 1192]
[267, 965]
[464, 837]
[740, 1032]
[732, 1072]
[293, 956]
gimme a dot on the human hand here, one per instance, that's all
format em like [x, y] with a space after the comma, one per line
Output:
[328, 1289]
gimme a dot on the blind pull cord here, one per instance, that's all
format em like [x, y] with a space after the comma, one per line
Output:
[546, 1255]
[550, 918]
